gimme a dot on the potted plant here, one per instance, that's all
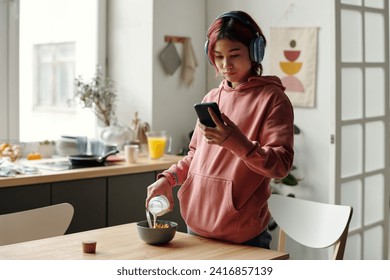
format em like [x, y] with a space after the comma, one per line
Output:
[99, 95]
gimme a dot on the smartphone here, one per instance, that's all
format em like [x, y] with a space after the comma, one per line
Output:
[203, 113]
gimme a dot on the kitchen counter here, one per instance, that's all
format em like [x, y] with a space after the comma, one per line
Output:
[144, 164]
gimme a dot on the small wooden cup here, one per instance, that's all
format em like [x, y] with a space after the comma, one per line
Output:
[89, 247]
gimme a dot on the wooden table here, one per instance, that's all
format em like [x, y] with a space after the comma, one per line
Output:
[122, 242]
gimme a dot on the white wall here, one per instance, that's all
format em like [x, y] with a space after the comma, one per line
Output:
[172, 100]
[130, 63]
[135, 39]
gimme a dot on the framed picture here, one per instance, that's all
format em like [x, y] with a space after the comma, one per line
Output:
[294, 61]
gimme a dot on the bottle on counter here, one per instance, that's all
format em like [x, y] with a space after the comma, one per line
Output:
[140, 130]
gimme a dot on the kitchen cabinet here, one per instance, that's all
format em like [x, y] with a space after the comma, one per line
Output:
[126, 197]
[88, 198]
[22, 198]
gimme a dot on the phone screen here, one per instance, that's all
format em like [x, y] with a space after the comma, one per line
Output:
[203, 113]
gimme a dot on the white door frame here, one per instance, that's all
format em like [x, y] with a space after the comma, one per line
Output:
[357, 233]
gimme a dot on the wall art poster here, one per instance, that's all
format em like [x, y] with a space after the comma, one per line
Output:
[293, 59]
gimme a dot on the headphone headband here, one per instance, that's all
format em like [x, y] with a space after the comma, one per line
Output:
[257, 45]
[240, 18]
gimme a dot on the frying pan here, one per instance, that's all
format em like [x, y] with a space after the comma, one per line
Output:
[90, 160]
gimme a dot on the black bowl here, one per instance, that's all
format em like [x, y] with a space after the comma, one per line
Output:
[156, 235]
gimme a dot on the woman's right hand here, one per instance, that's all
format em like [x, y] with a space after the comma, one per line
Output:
[217, 135]
[160, 187]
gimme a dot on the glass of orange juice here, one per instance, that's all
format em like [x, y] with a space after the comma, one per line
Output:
[157, 141]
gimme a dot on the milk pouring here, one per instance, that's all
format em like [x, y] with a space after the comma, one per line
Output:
[158, 206]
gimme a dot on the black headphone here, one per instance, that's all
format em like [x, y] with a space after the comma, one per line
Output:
[256, 46]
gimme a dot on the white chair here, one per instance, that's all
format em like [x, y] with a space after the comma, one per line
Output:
[34, 224]
[312, 224]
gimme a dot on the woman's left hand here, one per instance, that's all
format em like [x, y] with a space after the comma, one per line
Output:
[160, 187]
[217, 135]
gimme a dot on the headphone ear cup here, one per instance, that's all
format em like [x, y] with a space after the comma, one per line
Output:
[256, 49]
[206, 50]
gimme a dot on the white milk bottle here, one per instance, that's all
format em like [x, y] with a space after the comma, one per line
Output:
[158, 205]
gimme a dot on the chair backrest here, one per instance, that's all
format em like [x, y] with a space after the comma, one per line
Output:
[312, 224]
[34, 224]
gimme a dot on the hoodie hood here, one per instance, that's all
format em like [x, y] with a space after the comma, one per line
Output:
[252, 82]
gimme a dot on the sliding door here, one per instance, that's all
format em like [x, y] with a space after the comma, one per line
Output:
[362, 124]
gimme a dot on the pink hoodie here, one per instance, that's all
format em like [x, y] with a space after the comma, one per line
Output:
[225, 188]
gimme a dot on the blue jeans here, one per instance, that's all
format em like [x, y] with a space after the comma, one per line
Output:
[262, 240]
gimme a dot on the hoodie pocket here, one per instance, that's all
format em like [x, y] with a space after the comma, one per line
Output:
[206, 204]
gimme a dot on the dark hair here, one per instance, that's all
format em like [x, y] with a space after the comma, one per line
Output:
[235, 30]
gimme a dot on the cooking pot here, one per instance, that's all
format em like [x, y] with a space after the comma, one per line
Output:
[90, 160]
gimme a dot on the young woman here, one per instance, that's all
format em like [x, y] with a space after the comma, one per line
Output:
[225, 177]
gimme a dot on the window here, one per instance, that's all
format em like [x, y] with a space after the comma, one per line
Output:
[47, 44]
[53, 75]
